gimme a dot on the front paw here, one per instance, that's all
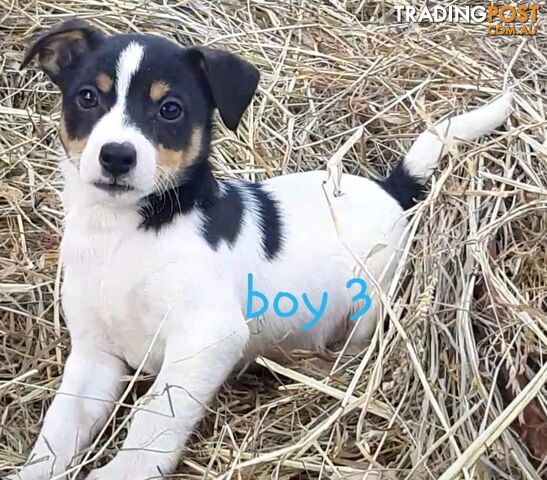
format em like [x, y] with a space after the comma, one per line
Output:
[108, 472]
[38, 471]
[127, 467]
[44, 463]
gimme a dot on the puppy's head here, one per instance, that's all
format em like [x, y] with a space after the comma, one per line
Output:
[137, 108]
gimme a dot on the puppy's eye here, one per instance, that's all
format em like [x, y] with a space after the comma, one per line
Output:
[87, 98]
[170, 110]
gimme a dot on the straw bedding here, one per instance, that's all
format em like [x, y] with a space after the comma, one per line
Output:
[445, 389]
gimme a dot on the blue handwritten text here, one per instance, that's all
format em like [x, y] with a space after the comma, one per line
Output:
[290, 302]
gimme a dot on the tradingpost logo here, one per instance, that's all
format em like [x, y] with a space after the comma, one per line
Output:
[500, 19]
[513, 20]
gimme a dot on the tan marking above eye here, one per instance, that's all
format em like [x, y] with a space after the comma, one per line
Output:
[72, 35]
[158, 90]
[73, 146]
[175, 160]
[104, 82]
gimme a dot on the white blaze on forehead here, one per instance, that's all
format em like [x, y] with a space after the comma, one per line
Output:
[128, 63]
[116, 127]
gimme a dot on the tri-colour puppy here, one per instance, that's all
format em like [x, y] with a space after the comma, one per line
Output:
[157, 251]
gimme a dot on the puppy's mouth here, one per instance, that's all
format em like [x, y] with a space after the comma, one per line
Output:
[113, 187]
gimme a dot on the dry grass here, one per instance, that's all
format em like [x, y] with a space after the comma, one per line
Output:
[467, 309]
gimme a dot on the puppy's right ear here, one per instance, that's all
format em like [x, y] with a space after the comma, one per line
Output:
[61, 48]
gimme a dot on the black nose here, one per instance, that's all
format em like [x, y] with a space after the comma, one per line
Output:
[117, 158]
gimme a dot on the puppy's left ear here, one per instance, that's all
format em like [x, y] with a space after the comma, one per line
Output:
[232, 82]
[60, 48]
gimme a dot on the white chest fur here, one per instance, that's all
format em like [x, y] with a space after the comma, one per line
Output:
[121, 282]
[105, 281]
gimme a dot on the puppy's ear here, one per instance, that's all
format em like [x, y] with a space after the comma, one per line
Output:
[232, 82]
[60, 48]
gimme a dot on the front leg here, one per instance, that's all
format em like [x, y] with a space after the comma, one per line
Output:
[196, 363]
[91, 383]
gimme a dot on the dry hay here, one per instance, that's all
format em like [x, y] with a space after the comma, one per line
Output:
[466, 327]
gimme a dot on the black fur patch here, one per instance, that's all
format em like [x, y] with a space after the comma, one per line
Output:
[270, 222]
[224, 217]
[199, 188]
[403, 187]
[223, 211]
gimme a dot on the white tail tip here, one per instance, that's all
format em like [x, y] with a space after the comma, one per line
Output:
[424, 155]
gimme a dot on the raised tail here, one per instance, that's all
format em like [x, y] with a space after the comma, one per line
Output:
[407, 180]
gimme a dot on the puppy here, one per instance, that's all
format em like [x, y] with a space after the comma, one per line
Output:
[163, 263]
